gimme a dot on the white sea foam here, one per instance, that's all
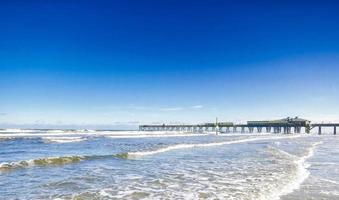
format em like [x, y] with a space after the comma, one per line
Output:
[301, 174]
[155, 135]
[179, 134]
[330, 181]
[211, 184]
[55, 131]
[64, 139]
[331, 193]
[112, 134]
[185, 146]
[282, 153]
[32, 135]
[105, 193]
[17, 130]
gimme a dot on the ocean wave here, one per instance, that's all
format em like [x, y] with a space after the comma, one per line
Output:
[266, 181]
[63, 139]
[55, 161]
[290, 179]
[49, 161]
[55, 131]
[178, 134]
[83, 133]
[186, 146]
[10, 130]
[6, 138]
[45, 134]
[299, 175]
[329, 181]
[155, 135]
[330, 193]
[280, 153]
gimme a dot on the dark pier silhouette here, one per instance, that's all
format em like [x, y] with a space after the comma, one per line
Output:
[286, 125]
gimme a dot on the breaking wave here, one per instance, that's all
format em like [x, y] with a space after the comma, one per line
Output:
[185, 146]
[49, 161]
[17, 130]
[64, 139]
[155, 135]
[297, 176]
[56, 161]
[279, 174]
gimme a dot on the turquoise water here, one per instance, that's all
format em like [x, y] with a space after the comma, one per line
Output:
[125, 165]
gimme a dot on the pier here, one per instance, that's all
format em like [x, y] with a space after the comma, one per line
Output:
[286, 126]
[321, 125]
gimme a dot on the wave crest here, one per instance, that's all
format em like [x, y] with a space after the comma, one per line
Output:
[64, 139]
[185, 146]
[40, 162]
[55, 161]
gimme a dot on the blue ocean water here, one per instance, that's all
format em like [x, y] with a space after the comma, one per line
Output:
[40, 164]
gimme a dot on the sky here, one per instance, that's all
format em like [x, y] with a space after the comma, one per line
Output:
[111, 64]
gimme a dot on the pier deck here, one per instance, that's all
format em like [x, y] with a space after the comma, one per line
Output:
[287, 125]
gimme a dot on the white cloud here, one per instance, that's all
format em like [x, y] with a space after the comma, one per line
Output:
[126, 123]
[171, 109]
[151, 108]
[197, 107]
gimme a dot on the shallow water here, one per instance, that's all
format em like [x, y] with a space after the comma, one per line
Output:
[111, 165]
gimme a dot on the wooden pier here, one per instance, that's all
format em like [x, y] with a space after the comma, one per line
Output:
[319, 126]
[286, 126]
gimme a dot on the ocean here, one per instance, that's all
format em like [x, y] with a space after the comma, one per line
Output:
[64, 164]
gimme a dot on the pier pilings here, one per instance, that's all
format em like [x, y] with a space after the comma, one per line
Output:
[334, 130]
[286, 128]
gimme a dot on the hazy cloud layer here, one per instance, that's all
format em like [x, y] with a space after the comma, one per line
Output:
[154, 109]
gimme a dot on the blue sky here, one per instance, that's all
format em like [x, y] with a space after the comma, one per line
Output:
[113, 63]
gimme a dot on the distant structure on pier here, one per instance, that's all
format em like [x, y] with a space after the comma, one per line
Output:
[286, 125]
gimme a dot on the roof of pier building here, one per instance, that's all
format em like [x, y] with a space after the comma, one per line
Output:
[285, 121]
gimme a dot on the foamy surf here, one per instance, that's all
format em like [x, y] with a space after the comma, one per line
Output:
[63, 139]
[252, 170]
[299, 176]
[186, 146]
[175, 134]
[269, 181]
[17, 130]
[72, 133]
[50, 161]
[155, 135]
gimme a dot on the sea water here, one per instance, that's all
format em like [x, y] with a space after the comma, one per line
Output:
[62, 164]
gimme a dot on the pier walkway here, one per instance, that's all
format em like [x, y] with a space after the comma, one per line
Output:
[287, 125]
